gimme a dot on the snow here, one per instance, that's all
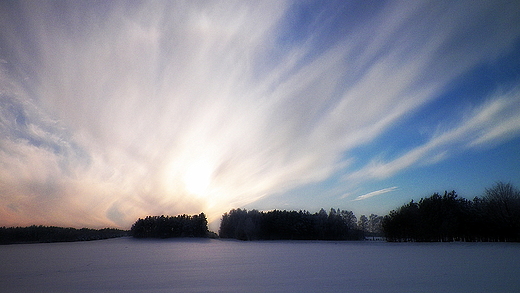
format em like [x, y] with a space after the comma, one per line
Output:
[209, 265]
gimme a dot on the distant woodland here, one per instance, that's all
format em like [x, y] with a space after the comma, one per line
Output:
[278, 225]
[169, 227]
[37, 234]
[494, 217]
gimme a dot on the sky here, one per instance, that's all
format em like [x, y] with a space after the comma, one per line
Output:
[114, 110]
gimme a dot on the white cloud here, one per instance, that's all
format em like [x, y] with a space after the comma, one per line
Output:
[377, 192]
[147, 92]
[490, 123]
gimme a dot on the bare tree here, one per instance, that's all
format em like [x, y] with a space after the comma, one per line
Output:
[502, 203]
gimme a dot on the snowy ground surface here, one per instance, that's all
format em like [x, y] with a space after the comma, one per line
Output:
[189, 265]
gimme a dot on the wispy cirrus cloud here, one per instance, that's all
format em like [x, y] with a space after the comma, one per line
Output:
[377, 192]
[120, 110]
[488, 124]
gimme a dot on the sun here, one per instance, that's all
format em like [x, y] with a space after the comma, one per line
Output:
[197, 178]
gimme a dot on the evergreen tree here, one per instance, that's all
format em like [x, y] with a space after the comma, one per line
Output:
[301, 225]
[495, 217]
[168, 227]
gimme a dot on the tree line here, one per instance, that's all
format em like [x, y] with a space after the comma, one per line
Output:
[168, 226]
[448, 217]
[494, 217]
[290, 225]
[39, 234]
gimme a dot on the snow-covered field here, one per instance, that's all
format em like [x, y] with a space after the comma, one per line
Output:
[190, 265]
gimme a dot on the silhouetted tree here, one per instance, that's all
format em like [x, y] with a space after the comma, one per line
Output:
[363, 224]
[35, 234]
[501, 206]
[168, 227]
[401, 224]
[495, 217]
[374, 226]
[276, 224]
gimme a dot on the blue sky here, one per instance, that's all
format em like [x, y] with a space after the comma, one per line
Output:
[110, 111]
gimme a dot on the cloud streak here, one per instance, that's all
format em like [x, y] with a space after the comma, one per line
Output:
[377, 192]
[491, 123]
[115, 111]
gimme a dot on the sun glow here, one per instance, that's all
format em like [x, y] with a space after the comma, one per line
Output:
[197, 179]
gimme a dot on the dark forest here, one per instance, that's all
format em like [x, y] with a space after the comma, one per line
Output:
[278, 225]
[36, 234]
[494, 217]
[170, 227]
